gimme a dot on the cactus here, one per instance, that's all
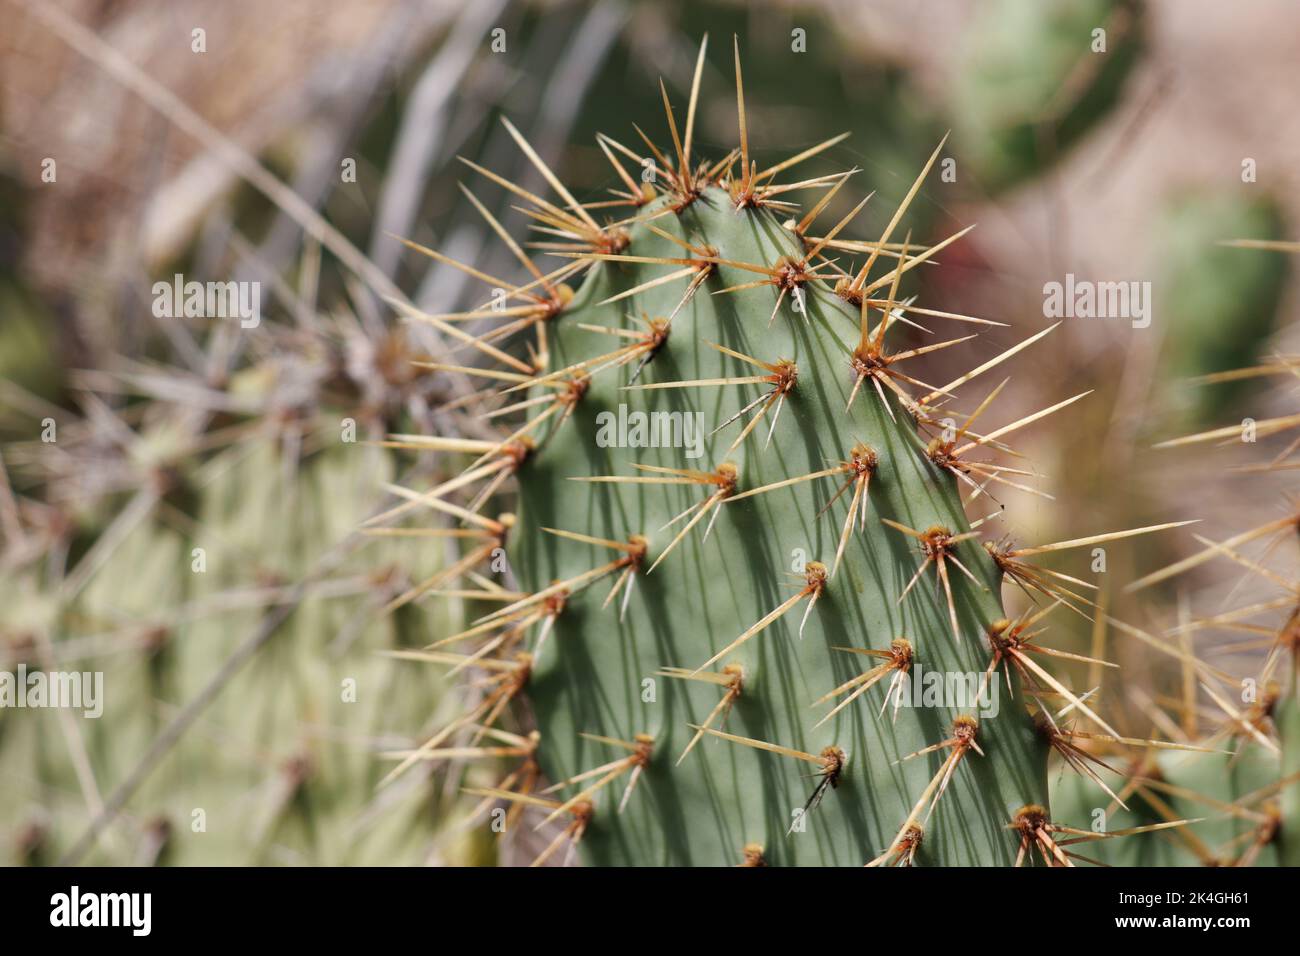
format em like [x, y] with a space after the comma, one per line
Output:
[1037, 77]
[146, 541]
[793, 576]
[1223, 301]
[1243, 787]
[263, 763]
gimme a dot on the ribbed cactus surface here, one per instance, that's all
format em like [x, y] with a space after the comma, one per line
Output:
[743, 604]
[603, 672]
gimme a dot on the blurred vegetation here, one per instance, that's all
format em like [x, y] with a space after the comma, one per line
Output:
[1221, 303]
[29, 347]
[1033, 81]
[284, 768]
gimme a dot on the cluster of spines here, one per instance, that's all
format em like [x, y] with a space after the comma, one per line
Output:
[574, 233]
[1253, 719]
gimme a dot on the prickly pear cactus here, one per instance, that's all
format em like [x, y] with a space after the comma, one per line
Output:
[604, 675]
[749, 615]
[1222, 323]
[1237, 785]
[259, 779]
[1037, 77]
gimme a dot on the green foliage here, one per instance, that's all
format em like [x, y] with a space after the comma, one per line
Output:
[1031, 83]
[1221, 302]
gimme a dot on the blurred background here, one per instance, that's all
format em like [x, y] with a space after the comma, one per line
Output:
[179, 497]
